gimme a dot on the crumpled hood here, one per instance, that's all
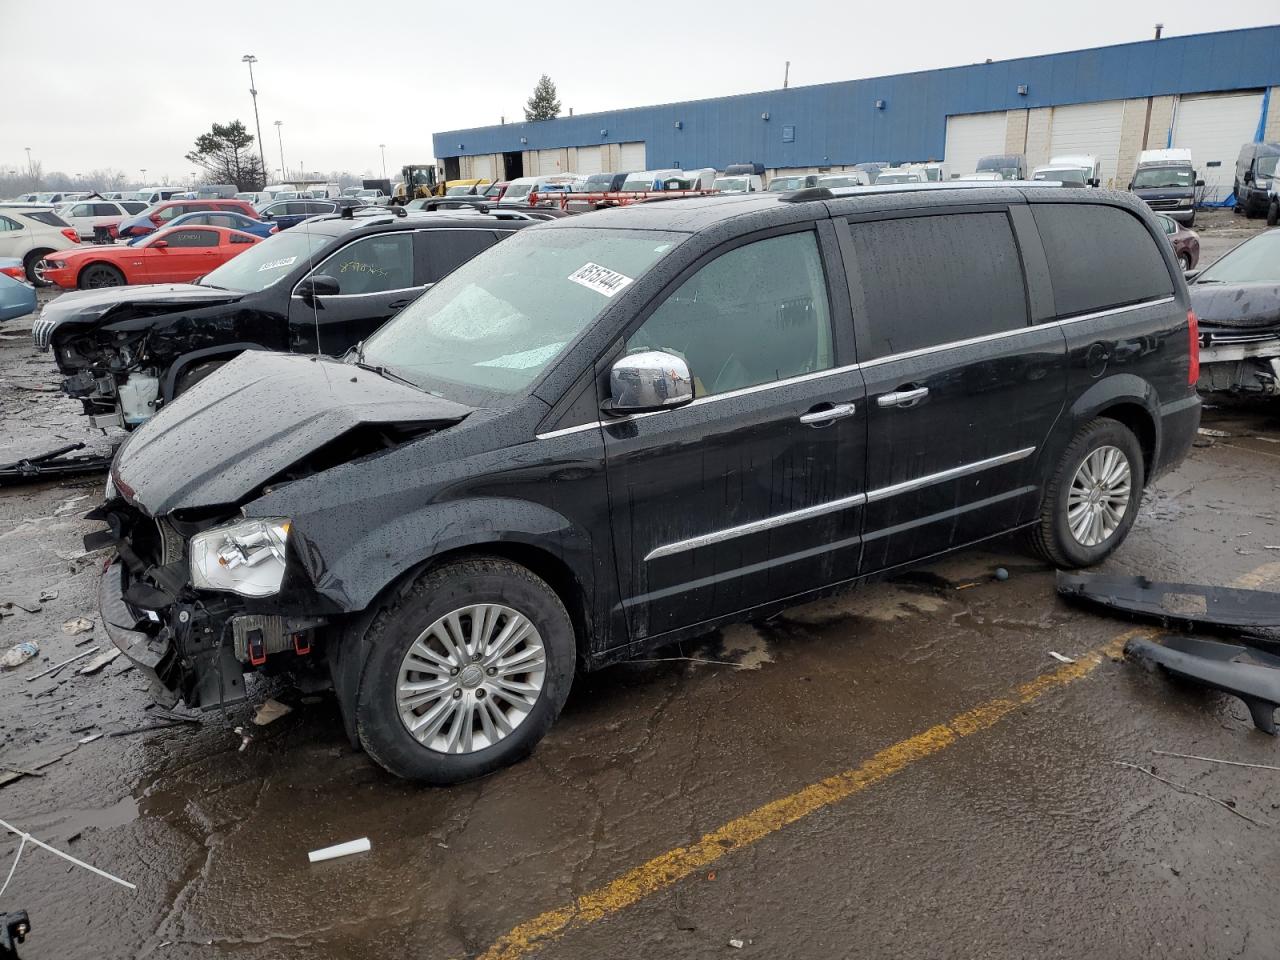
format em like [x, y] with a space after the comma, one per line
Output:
[1251, 305]
[86, 306]
[254, 419]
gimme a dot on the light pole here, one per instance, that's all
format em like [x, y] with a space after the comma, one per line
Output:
[31, 172]
[250, 59]
[383, 148]
[280, 137]
[144, 175]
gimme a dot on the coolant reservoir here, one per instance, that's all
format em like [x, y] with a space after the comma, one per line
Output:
[138, 398]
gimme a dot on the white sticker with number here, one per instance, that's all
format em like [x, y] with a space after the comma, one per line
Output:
[600, 279]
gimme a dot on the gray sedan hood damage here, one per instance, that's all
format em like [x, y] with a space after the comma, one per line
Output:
[268, 417]
[1253, 306]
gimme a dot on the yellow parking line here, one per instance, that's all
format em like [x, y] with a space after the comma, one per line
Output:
[666, 869]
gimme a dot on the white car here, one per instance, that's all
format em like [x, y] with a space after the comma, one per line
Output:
[87, 214]
[901, 175]
[850, 178]
[29, 232]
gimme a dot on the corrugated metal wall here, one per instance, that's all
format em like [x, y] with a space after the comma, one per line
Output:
[840, 122]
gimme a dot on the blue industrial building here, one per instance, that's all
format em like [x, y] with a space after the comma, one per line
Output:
[905, 117]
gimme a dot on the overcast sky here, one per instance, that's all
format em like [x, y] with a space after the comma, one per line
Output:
[346, 77]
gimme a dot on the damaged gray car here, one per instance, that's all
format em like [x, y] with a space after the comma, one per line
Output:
[1237, 301]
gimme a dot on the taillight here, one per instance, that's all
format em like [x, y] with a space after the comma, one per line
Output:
[1193, 332]
[17, 272]
[70, 234]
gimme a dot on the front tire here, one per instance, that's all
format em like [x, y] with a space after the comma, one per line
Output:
[1273, 213]
[98, 275]
[468, 669]
[1184, 261]
[1092, 499]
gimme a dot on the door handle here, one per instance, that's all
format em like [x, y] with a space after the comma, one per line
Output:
[829, 414]
[399, 304]
[902, 398]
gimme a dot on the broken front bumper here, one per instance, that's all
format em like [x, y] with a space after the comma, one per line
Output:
[1240, 362]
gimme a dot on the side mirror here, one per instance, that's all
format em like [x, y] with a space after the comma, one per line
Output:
[1248, 176]
[321, 285]
[648, 381]
[1095, 182]
[1199, 183]
[159, 244]
[1130, 184]
[268, 216]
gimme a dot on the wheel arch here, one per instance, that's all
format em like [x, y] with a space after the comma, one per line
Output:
[1129, 400]
[227, 351]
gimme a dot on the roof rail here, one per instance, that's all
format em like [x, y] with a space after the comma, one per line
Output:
[807, 194]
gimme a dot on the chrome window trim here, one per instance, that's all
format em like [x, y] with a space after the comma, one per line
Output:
[878, 361]
[833, 506]
[756, 526]
[374, 293]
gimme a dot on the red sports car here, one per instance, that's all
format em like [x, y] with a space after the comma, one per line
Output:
[176, 255]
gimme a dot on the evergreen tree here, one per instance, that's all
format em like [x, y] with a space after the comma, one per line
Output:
[543, 105]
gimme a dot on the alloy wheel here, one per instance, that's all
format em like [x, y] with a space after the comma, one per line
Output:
[471, 678]
[1099, 496]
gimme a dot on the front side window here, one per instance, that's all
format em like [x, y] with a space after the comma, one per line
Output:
[928, 281]
[168, 213]
[7, 225]
[495, 323]
[1265, 168]
[373, 264]
[105, 210]
[1099, 257]
[754, 315]
[180, 237]
[268, 262]
[82, 210]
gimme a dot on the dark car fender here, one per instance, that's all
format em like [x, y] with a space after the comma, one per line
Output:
[418, 541]
[1124, 397]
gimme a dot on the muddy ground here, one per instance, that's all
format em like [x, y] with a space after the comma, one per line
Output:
[1020, 840]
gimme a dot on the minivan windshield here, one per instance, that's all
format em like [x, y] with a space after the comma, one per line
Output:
[1254, 261]
[496, 322]
[264, 263]
[1155, 177]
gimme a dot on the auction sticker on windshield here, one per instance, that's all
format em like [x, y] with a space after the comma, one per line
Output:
[277, 264]
[600, 279]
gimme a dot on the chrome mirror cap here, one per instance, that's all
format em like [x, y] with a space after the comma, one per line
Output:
[649, 381]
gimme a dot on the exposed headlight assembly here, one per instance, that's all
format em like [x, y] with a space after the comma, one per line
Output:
[246, 557]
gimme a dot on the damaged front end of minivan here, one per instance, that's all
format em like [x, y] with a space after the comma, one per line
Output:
[202, 589]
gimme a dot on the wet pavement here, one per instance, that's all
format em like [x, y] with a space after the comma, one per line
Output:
[1020, 839]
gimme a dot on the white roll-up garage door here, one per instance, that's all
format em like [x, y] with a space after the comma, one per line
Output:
[482, 167]
[1090, 128]
[631, 158]
[548, 163]
[971, 137]
[589, 161]
[1214, 127]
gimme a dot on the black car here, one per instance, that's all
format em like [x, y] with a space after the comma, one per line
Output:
[321, 288]
[620, 429]
[1257, 183]
[1237, 301]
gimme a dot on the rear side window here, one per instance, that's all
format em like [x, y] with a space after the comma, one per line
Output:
[192, 238]
[935, 280]
[445, 250]
[47, 217]
[7, 225]
[1099, 257]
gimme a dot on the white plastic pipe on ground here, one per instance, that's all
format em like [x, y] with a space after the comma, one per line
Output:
[340, 850]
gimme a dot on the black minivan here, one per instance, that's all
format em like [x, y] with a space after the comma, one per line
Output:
[616, 430]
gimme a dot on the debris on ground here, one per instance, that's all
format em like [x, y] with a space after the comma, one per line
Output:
[100, 661]
[270, 712]
[245, 739]
[1185, 604]
[161, 725]
[340, 850]
[14, 928]
[26, 838]
[58, 666]
[30, 606]
[736, 944]
[47, 595]
[1183, 788]
[1207, 432]
[1002, 574]
[1241, 671]
[1060, 657]
[77, 625]
[19, 654]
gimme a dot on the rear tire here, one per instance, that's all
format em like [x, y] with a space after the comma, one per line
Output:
[98, 275]
[1273, 213]
[1092, 498]
[454, 693]
[30, 264]
[1184, 261]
